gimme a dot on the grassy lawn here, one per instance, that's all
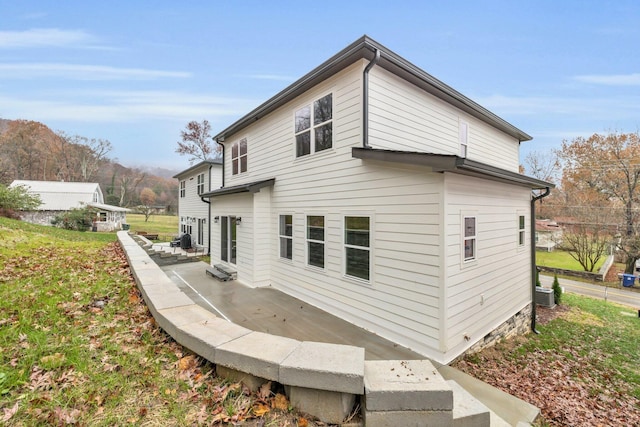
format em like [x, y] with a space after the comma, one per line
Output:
[78, 345]
[166, 226]
[560, 259]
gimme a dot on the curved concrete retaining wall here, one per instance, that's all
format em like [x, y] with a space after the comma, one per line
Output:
[323, 380]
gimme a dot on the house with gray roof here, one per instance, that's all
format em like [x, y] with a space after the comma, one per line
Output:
[58, 197]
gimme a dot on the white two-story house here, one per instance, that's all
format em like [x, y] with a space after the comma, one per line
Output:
[193, 210]
[374, 191]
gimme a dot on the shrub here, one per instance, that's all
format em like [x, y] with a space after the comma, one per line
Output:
[557, 290]
[79, 219]
[17, 198]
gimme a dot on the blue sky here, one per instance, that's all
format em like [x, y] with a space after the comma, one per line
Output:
[136, 72]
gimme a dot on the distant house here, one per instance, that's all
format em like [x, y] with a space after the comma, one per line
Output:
[374, 191]
[193, 211]
[548, 235]
[58, 197]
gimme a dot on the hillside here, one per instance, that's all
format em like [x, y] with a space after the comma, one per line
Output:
[30, 150]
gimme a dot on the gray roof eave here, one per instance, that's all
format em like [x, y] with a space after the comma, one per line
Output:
[197, 166]
[252, 187]
[451, 163]
[365, 48]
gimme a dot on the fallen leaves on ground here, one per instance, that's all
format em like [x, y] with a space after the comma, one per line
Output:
[563, 383]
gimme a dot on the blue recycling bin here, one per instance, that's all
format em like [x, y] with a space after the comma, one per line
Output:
[628, 280]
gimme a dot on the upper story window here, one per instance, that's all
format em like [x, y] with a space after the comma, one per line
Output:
[357, 230]
[200, 184]
[183, 188]
[521, 230]
[239, 157]
[95, 197]
[470, 237]
[315, 136]
[463, 136]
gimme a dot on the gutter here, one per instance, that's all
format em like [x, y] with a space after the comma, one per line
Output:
[365, 99]
[533, 257]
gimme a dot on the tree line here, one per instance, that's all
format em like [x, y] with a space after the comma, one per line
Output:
[29, 150]
[597, 195]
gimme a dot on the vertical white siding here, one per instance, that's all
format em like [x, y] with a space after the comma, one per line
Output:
[404, 117]
[484, 293]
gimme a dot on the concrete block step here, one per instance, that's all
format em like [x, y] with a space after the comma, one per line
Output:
[467, 410]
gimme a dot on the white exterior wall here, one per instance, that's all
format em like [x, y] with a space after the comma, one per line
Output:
[404, 117]
[237, 205]
[192, 206]
[412, 251]
[482, 294]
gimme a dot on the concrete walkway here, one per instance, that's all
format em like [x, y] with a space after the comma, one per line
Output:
[618, 295]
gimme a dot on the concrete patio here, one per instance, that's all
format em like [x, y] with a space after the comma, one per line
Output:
[311, 341]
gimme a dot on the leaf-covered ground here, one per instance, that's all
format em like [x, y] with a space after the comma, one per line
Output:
[582, 370]
[78, 345]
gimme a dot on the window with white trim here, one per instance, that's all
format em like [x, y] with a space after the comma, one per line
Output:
[315, 240]
[470, 238]
[200, 186]
[357, 248]
[463, 136]
[286, 236]
[316, 136]
[521, 230]
[239, 157]
[183, 188]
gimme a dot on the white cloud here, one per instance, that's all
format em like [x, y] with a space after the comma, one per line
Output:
[83, 72]
[611, 80]
[124, 107]
[46, 37]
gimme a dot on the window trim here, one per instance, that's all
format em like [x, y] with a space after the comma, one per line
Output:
[345, 246]
[522, 230]
[313, 126]
[200, 184]
[463, 138]
[309, 241]
[284, 236]
[236, 168]
[183, 189]
[473, 237]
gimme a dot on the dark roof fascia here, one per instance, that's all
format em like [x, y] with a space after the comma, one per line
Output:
[450, 163]
[252, 187]
[365, 48]
[197, 166]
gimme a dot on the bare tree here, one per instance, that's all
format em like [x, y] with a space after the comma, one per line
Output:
[543, 165]
[197, 142]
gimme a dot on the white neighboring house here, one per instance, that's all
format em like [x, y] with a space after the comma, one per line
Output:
[58, 197]
[193, 211]
[374, 191]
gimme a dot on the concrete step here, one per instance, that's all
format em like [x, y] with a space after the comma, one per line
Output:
[467, 410]
[506, 407]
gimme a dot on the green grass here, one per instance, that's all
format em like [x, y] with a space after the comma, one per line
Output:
[78, 345]
[166, 226]
[603, 336]
[562, 259]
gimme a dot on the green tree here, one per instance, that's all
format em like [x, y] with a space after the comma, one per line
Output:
[18, 198]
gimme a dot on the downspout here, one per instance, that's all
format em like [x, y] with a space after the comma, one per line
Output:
[208, 215]
[365, 99]
[534, 268]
